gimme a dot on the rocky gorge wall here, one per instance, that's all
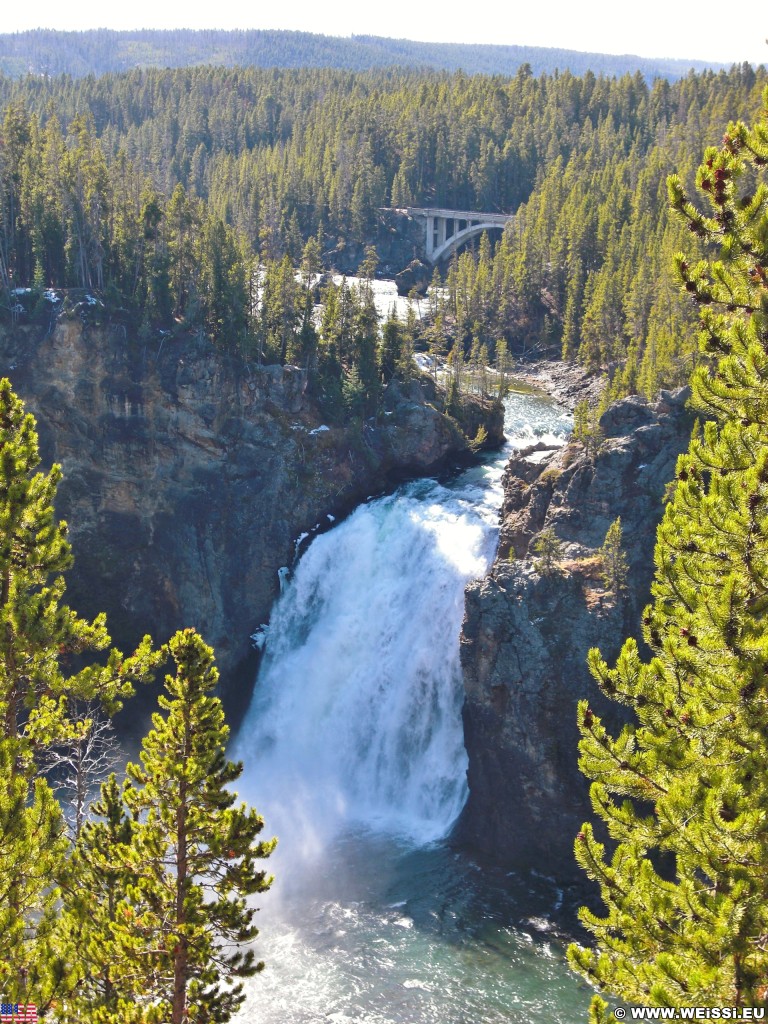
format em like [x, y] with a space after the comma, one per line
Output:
[189, 476]
[398, 239]
[526, 636]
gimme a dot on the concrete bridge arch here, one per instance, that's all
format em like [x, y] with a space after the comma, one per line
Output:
[451, 244]
[445, 230]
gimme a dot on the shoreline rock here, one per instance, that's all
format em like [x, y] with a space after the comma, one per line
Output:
[567, 383]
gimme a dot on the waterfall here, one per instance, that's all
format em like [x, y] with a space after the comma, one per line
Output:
[354, 754]
[356, 718]
[356, 721]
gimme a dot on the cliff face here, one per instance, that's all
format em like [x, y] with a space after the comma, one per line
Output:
[398, 239]
[525, 637]
[188, 476]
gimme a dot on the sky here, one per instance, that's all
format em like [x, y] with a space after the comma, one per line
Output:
[702, 30]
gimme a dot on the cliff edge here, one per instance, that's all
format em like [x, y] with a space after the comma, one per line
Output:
[526, 636]
[189, 475]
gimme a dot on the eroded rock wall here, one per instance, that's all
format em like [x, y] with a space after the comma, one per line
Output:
[188, 476]
[526, 636]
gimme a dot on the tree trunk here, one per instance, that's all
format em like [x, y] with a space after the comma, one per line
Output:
[180, 953]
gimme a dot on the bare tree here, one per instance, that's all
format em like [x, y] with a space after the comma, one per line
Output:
[76, 768]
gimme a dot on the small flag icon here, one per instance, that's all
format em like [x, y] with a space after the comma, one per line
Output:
[18, 1013]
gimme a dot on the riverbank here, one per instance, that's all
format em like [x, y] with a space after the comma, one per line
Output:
[567, 383]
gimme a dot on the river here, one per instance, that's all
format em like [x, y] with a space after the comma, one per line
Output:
[354, 755]
[385, 296]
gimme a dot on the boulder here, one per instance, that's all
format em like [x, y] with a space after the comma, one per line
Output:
[416, 275]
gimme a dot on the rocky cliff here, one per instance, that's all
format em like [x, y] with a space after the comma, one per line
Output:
[188, 477]
[526, 636]
[397, 238]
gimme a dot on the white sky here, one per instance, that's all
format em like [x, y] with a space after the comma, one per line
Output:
[704, 30]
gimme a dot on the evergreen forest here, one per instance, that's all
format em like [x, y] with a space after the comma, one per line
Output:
[97, 51]
[679, 791]
[186, 199]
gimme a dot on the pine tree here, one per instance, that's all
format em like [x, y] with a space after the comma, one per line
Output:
[365, 345]
[39, 697]
[311, 263]
[353, 393]
[367, 269]
[94, 889]
[586, 427]
[168, 906]
[453, 397]
[503, 366]
[683, 790]
[390, 350]
[405, 369]
[33, 849]
[38, 634]
[549, 549]
[615, 567]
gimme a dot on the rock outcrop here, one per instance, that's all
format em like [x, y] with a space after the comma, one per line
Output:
[397, 238]
[567, 383]
[188, 477]
[526, 636]
[417, 274]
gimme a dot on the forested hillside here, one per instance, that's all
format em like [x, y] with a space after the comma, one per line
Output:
[186, 198]
[48, 52]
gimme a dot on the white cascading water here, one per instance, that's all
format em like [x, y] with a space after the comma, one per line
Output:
[353, 745]
[356, 720]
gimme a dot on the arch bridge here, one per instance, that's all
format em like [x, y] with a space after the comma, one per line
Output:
[446, 230]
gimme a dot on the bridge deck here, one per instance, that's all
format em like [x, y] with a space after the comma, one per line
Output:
[423, 211]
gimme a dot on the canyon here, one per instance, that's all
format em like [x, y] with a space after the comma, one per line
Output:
[189, 475]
